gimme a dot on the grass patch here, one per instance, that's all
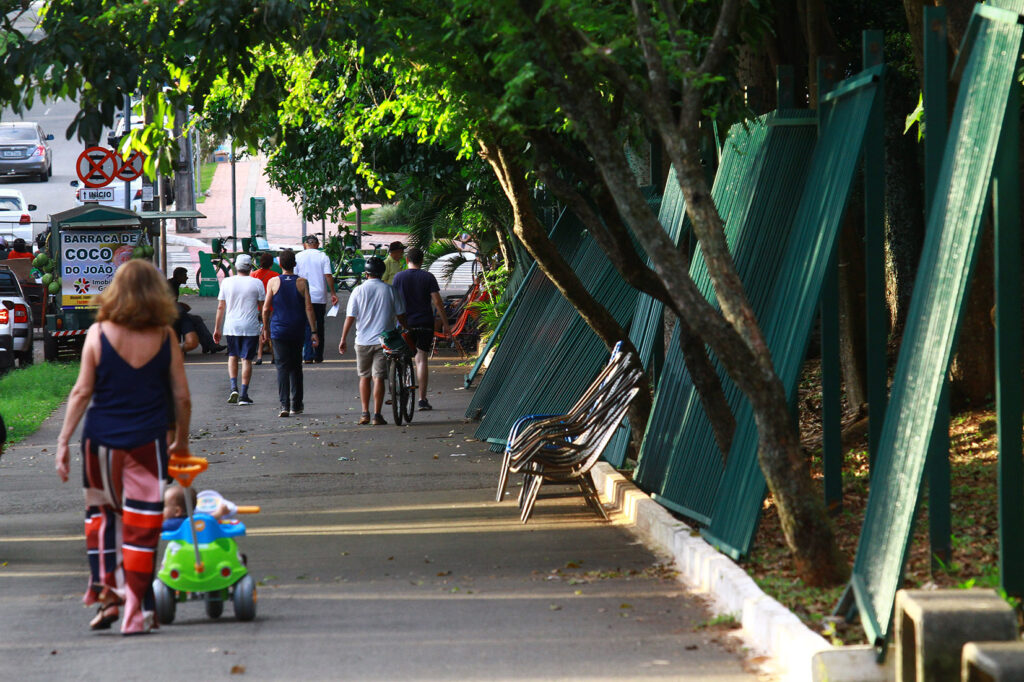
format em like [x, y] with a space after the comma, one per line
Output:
[403, 229]
[30, 395]
[367, 212]
[206, 172]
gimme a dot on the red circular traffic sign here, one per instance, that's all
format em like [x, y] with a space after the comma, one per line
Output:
[132, 168]
[97, 166]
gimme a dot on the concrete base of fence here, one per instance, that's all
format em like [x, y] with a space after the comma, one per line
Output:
[768, 626]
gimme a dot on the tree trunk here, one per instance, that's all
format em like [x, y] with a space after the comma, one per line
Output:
[914, 10]
[904, 200]
[733, 335]
[503, 247]
[852, 320]
[973, 369]
[532, 235]
[359, 224]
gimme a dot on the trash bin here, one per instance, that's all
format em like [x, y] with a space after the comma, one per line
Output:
[246, 244]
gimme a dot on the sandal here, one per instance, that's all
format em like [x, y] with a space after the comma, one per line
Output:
[106, 615]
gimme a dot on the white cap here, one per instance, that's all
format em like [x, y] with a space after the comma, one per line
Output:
[243, 262]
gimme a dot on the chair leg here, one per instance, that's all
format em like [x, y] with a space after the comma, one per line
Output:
[593, 500]
[503, 476]
[531, 498]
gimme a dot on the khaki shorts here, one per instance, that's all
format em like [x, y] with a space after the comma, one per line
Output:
[371, 358]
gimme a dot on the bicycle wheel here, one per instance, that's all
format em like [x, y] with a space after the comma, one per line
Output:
[408, 389]
[394, 388]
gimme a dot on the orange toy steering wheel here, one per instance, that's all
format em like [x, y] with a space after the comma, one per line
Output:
[184, 468]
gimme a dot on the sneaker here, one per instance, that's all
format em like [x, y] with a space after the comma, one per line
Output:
[424, 405]
[258, 361]
[284, 412]
[244, 400]
[378, 420]
[296, 410]
[365, 419]
[233, 398]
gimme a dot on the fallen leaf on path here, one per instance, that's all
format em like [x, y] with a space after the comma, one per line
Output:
[238, 670]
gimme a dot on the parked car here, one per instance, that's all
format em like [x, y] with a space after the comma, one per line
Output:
[24, 150]
[15, 216]
[15, 322]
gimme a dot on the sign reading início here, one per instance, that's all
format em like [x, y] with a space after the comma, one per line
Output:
[88, 261]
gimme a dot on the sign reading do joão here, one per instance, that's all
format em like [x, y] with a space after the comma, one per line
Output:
[88, 261]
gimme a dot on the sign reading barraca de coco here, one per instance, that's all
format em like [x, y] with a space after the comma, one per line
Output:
[88, 261]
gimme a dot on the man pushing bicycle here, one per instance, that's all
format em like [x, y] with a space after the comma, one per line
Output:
[374, 308]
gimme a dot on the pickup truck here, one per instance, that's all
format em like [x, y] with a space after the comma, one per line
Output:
[16, 323]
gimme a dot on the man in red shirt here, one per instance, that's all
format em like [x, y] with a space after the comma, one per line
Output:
[264, 273]
[21, 250]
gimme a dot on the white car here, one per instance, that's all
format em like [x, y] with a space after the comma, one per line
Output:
[15, 216]
[15, 322]
[111, 195]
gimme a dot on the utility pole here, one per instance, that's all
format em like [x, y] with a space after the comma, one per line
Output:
[127, 130]
[184, 194]
[234, 201]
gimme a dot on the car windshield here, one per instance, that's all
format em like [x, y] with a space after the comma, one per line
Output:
[17, 134]
[9, 204]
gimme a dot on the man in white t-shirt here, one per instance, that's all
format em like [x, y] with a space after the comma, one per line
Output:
[315, 266]
[374, 307]
[238, 316]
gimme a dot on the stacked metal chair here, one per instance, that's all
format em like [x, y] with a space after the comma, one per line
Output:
[563, 448]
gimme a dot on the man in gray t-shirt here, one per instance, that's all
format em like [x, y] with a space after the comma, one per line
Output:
[374, 307]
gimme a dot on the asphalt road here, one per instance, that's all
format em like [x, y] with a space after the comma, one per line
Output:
[57, 194]
[380, 555]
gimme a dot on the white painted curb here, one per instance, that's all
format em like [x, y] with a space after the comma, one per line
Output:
[768, 627]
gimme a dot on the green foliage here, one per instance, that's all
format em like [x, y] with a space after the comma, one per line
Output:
[916, 117]
[389, 214]
[492, 310]
[29, 395]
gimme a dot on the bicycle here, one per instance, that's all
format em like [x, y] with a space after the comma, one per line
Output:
[379, 250]
[401, 375]
[221, 258]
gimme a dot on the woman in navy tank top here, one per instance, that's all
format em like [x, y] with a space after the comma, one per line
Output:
[286, 312]
[130, 371]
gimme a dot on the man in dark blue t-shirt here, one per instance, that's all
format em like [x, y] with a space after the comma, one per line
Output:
[419, 289]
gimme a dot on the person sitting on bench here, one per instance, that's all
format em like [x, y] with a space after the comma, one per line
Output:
[190, 328]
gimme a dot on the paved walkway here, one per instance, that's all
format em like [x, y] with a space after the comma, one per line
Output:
[380, 553]
[284, 221]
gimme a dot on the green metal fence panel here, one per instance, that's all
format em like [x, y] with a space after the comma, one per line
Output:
[989, 63]
[647, 329]
[563, 354]
[680, 462]
[523, 328]
[793, 303]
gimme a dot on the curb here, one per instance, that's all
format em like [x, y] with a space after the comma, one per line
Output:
[768, 626]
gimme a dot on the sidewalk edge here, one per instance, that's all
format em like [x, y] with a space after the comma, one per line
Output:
[768, 626]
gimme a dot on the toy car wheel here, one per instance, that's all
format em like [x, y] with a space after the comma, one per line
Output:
[244, 598]
[165, 602]
[214, 605]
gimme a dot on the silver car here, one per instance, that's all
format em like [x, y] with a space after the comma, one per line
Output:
[24, 150]
[15, 322]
